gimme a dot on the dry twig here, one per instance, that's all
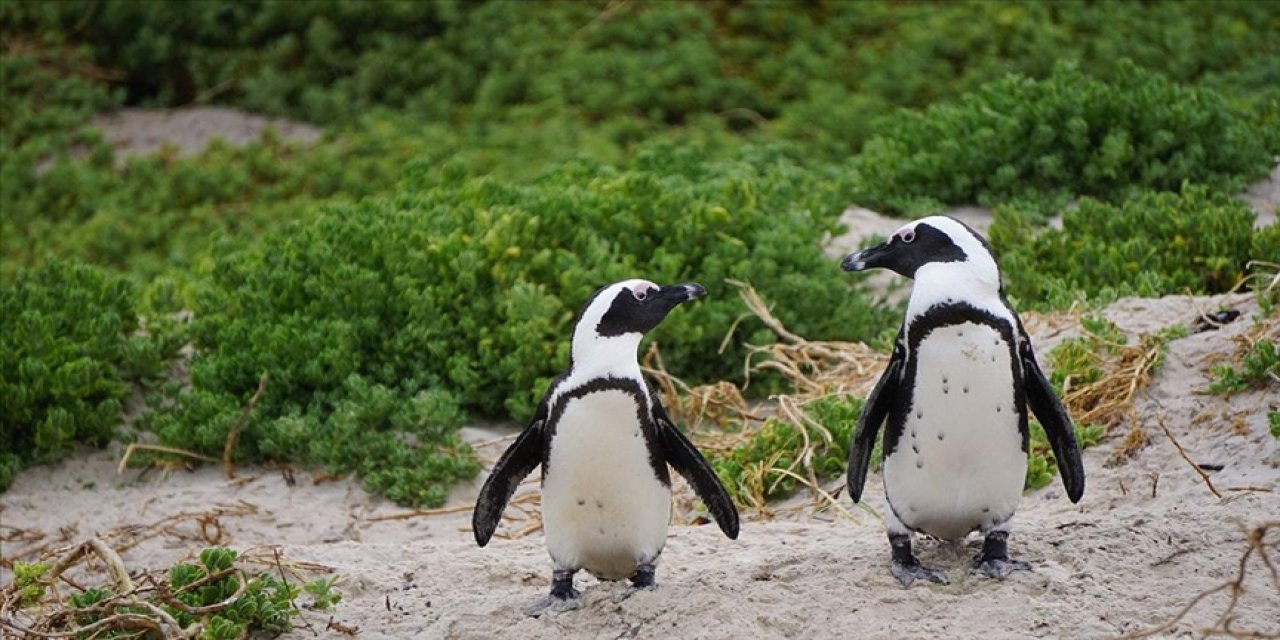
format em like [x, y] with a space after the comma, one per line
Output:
[234, 434]
[139, 446]
[816, 368]
[1259, 546]
[1183, 452]
[133, 606]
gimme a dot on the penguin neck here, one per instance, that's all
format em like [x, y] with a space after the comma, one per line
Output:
[597, 357]
[975, 284]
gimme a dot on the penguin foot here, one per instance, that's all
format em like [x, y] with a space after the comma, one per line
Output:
[644, 577]
[906, 568]
[998, 568]
[563, 596]
[994, 560]
[908, 573]
[553, 604]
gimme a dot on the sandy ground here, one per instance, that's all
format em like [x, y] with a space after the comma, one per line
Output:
[1148, 538]
[141, 131]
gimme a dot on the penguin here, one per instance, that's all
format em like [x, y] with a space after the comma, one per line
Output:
[953, 401]
[604, 442]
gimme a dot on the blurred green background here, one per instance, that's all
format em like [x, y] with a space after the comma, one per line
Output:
[485, 165]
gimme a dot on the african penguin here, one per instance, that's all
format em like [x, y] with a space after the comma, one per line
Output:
[954, 401]
[604, 442]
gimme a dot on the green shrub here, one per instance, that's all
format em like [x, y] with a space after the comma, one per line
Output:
[467, 291]
[43, 119]
[232, 609]
[28, 582]
[1067, 135]
[750, 470]
[70, 347]
[822, 71]
[1259, 367]
[1153, 244]
[265, 606]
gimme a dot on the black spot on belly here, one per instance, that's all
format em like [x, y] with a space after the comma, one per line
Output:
[944, 390]
[941, 435]
[919, 415]
[986, 509]
[998, 409]
[599, 504]
[581, 502]
[944, 379]
[602, 531]
[966, 388]
[915, 449]
[919, 464]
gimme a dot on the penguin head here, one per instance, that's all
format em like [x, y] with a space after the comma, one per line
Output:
[618, 315]
[936, 243]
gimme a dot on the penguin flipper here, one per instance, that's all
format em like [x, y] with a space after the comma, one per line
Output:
[516, 462]
[1053, 417]
[689, 463]
[873, 415]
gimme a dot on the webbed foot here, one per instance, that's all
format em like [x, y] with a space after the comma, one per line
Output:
[906, 568]
[552, 604]
[994, 561]
[999, 568]
[908, 573]
[563, 596]
[644, 577]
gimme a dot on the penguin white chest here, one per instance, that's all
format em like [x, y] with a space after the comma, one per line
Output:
[603, 508]
[958, 464]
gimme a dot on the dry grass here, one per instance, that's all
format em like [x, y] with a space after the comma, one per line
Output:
[133, 608]
[814, 368]
[719, 404]
[1108, 400]
[204, 527]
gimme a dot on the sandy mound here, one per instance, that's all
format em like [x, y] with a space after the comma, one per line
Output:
[135, 132]
[1148, 538]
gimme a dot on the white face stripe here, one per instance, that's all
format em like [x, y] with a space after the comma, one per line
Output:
[585, 330]
[960, 234]
[976, 280]
[594, 355]
[642, 288]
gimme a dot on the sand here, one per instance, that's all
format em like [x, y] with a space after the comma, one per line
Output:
[137, 131]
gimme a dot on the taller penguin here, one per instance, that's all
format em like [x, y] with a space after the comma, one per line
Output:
[954, 401]
[604, 443]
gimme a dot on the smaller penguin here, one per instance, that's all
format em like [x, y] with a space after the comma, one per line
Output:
[954, 399]
[604, 442]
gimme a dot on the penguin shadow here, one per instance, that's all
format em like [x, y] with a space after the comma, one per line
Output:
[955, 558]
[600, 596]
[782, 571]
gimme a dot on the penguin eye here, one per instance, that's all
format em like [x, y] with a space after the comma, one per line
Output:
[908, 236]
[640, 294]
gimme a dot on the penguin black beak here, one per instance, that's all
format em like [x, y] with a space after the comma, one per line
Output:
[867, 258]
[678, 293]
